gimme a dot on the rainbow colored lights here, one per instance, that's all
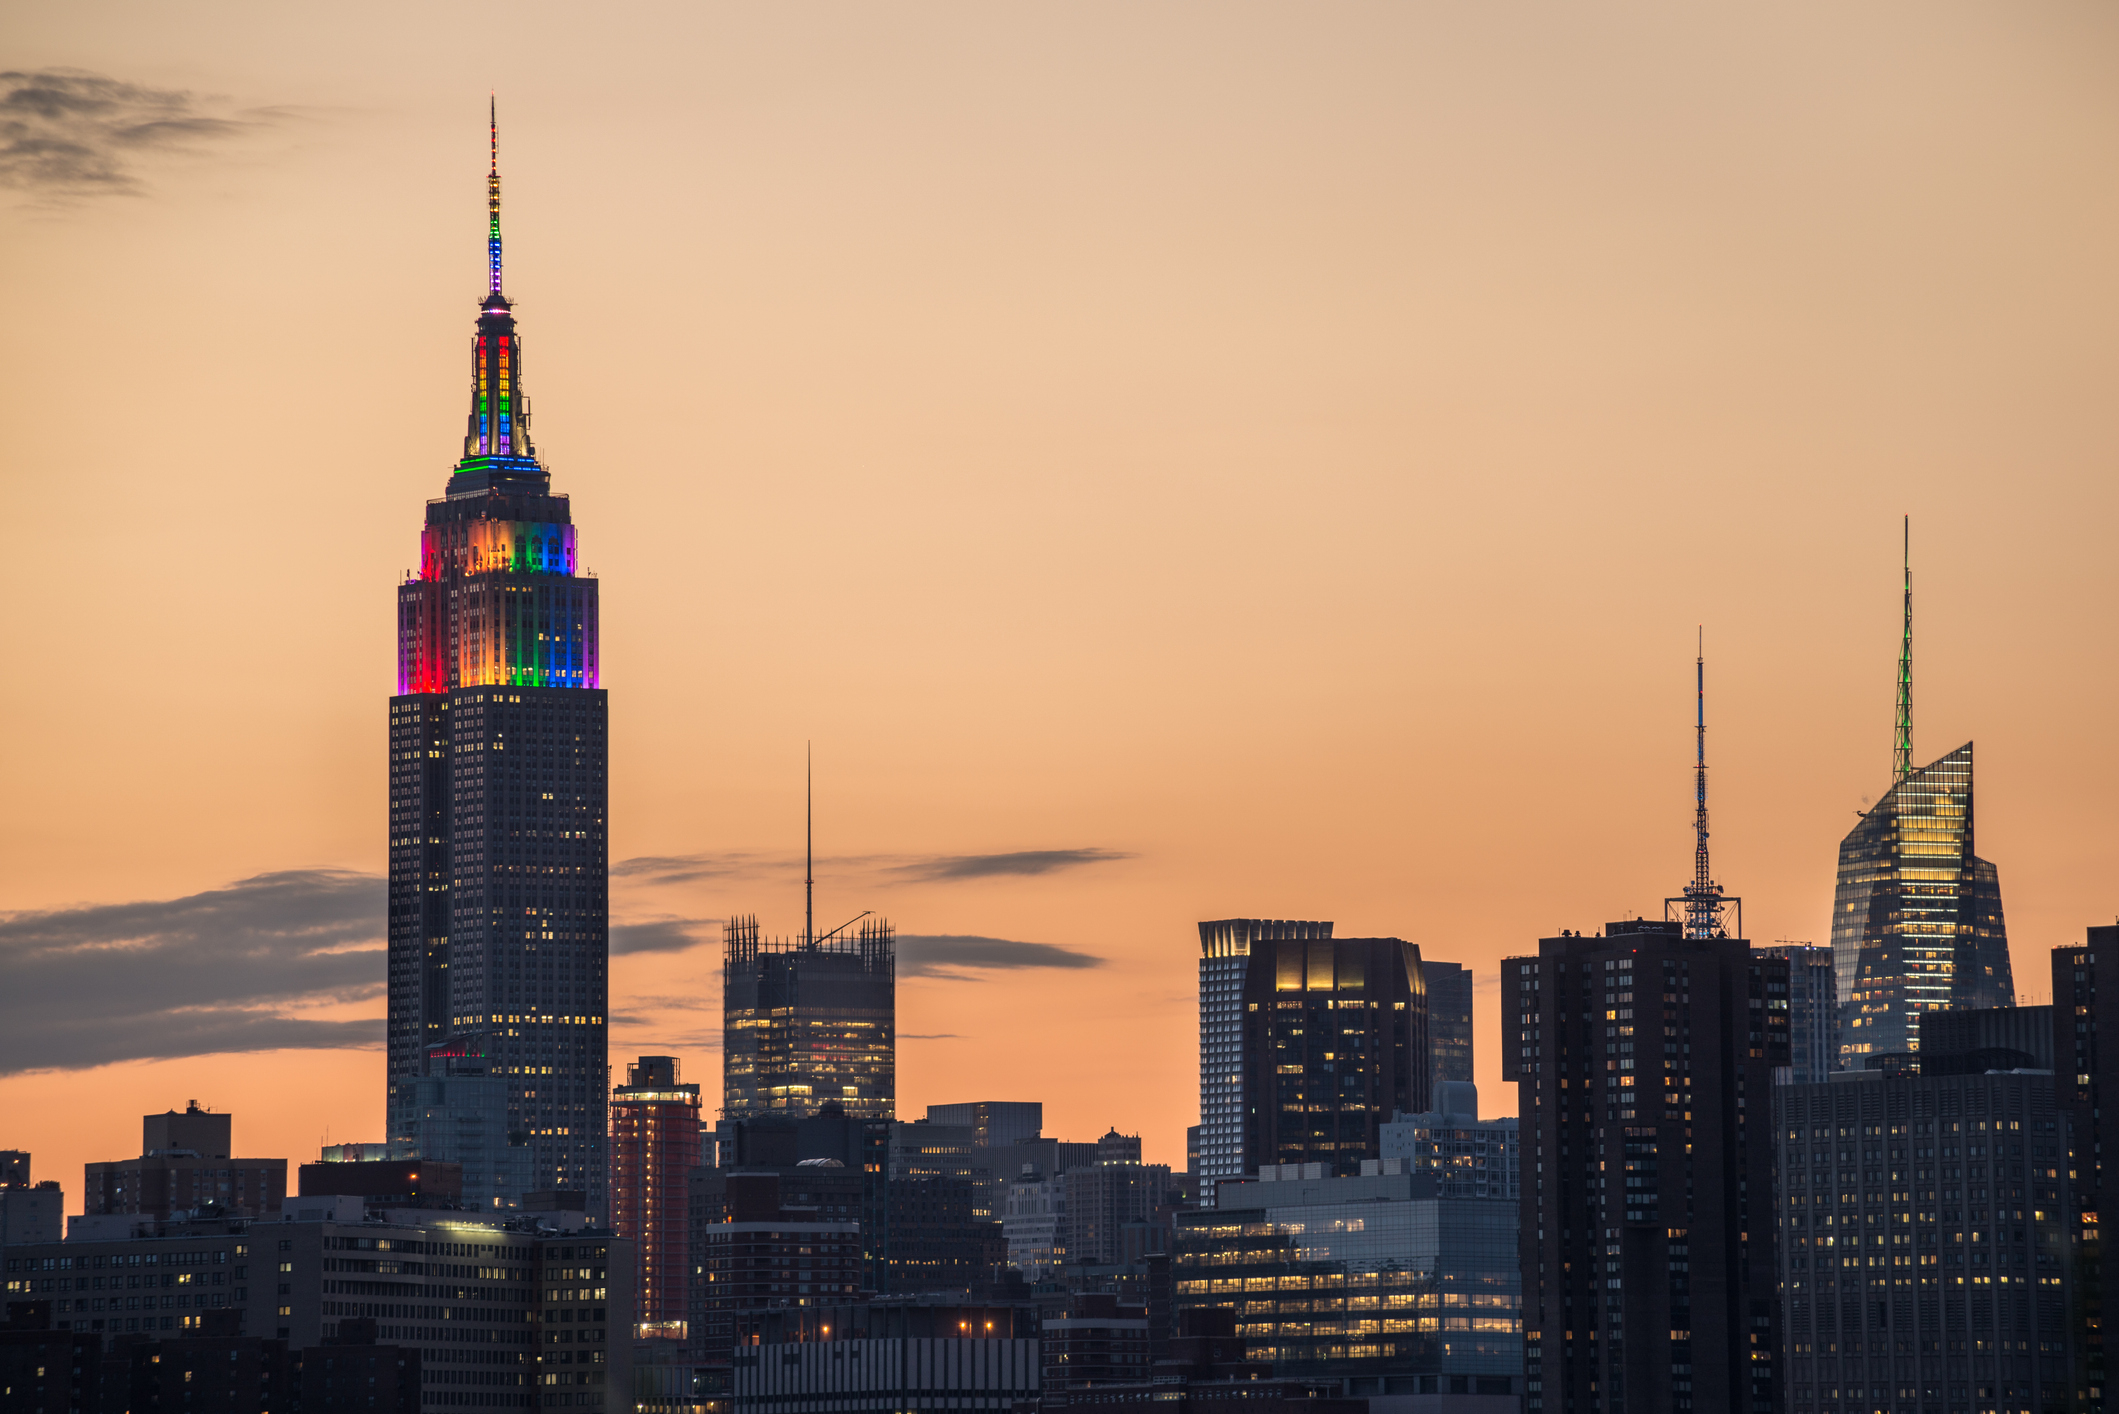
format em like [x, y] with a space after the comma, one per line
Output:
[497, 601]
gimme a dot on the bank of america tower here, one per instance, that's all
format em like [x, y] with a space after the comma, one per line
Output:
[499, 936]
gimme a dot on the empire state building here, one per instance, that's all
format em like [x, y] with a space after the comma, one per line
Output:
[499, 927]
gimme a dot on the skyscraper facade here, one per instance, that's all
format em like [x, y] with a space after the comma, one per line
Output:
[1813, 1010]
[2087, 1074]
[1916, 918]
[1925, 1251]
[654, 1148]
[499, 936]
[1449, 1021]
[1308, 1043]
[809, 1022]
[1644, 1060]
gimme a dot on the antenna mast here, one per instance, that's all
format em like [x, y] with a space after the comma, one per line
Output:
[1902, 736]
[809, 848]
[1702, 898]
[493, 198]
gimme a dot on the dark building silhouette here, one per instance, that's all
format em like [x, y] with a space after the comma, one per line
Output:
[764, 1255]
[809, 1022]
[1813, 1010]
[654, 1149]
[184, 1167]
[887, 1356]
[1990, 1038]
[1644, 1061]
[499, 940]
[1916, 918]
[1307, 1044]
[1925, 1240]
[2088, 1075]
[1449, 1021]
[994, 1122]
[386, 1183]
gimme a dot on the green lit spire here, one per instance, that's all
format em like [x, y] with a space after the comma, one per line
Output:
[1902, 737]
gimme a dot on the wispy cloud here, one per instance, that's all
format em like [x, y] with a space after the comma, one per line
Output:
[987, 866]
[949, 955]
[659, 935]
[684, 868]
[211, 972]
[69, 133]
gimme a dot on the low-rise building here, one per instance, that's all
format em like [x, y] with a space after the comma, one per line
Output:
[887, 1355]
[515, 1317]
[1376, 1281]
[185, 1167]
[1096, 1340]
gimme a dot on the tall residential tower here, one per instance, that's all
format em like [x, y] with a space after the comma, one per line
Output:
[1916, 918]
[498, 922]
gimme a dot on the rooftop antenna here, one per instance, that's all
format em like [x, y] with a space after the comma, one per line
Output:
[493, 198]
[809, 847]
[1702, 902]
[1902, 736]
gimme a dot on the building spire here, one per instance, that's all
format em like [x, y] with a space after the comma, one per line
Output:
[809, 846]
[1703, 898]
[1902, 735]
[493, 200]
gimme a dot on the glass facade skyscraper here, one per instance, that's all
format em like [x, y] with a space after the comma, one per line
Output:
[1916, 919]
[809, 1022]
[1449, 1021]
[499, 942]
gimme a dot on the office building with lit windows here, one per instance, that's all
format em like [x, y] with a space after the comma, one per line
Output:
[1916, 917]
[1644, 1061]
[1375, 1280]
[1307, 1044]
[654, 1148]
[809, 1022]
[1925, 1241]
[498, 916]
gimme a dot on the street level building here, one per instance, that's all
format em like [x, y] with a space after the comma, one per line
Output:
[1925, 1241]
[498, 737]
[1374, 1282]
[654, 1148]
[1308, 1043]
[1643, 1059]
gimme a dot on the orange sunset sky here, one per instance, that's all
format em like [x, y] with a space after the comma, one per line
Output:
[1174, 460]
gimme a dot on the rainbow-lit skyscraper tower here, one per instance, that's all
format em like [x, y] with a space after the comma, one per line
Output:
[499, 937]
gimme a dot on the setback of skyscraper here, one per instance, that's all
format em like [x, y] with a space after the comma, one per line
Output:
[1644, 1061]
[1307, 1044]
[1916, 918]
[499, 938]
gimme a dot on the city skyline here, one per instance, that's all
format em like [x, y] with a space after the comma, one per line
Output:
[1057, 743]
